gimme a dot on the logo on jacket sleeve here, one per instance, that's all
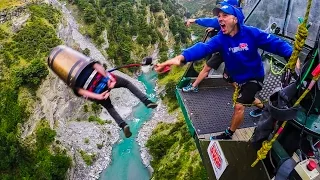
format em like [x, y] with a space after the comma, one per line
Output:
[241, 47]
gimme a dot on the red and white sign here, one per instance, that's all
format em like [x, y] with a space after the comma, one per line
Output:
[217, 158]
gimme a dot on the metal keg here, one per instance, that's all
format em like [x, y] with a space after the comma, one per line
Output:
[68, 63]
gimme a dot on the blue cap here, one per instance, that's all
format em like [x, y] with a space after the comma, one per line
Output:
[231, 2]
[226, 8]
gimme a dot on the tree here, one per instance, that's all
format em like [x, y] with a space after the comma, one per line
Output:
[143, 39]
[86, 52]
[90, 14]
[173, 25]
[159, 21]
[98, 28]
[155, 6]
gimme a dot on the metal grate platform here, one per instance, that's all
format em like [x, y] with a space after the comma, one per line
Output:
[210, 110]
[270, 83]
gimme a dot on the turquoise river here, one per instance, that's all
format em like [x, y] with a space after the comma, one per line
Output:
[126, 160]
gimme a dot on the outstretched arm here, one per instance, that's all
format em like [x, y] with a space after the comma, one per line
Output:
[178, 60]
[194, 53]
[208, 22]
[201, 50]
[273, 44]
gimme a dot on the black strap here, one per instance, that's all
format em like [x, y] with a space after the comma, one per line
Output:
[54, 56]
[71, 71]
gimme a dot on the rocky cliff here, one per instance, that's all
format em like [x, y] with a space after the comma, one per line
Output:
[65, 112]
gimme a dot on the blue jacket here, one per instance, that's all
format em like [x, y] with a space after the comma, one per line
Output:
[240, 52]
[208, 22]
[213, 22]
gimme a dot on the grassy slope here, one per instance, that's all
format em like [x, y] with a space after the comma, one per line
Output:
[7, 4]
[175, 155]
[22, 67]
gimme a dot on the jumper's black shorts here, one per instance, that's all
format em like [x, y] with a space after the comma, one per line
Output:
[248, 91]
[214, 62]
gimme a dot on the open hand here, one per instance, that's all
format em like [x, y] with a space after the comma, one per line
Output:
[174, 61]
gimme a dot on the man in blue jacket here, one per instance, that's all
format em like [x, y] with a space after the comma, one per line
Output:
[238, 45]
[215, 60]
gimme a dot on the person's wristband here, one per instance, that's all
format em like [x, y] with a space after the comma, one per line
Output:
[182, 61]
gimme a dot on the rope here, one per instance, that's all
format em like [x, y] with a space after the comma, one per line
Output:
[267, 145]
[301, 37]
[273, 70]
[314, 79]
[235, 95]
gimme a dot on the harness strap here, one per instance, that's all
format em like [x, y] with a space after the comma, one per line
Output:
[95, 83]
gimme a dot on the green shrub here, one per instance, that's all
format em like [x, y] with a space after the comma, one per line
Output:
[35, 40]
[45, 11]
[31, 75]
[99, 146]
[86, 52]
[108, 121]
[3, 34]
[85, 108]
[92, 119]
[96, 119]
[96, 108]
[88, 159]
[45, 136]
[90, 14]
